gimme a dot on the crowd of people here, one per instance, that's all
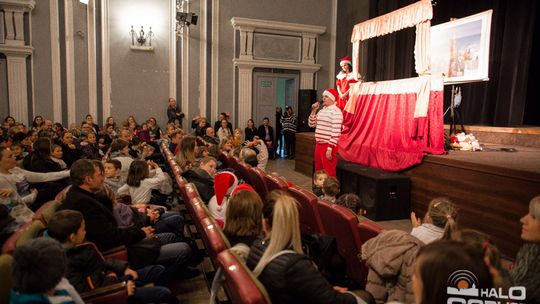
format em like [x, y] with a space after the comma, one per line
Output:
[115, 190]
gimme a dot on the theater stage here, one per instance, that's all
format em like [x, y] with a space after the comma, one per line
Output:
[492, 188]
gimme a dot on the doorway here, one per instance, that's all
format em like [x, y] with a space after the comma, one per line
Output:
[271, 90]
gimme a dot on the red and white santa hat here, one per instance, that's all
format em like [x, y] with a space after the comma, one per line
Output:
[345, 60]
[224, 183]
[331, 93]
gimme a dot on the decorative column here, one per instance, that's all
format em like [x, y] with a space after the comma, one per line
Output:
[245, 92]
[306, 80]
[17, 88]
[16, 52]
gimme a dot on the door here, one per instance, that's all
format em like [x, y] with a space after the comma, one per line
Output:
[265, 98]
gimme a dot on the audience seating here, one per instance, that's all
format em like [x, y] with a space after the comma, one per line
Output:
[368, 229]
[213, 238]
[240, 283]
[310, 220]
[24, 234]
[275, 183]
[233, 161]
[5, 274]
[45, 212]
[224, 161]
[241, 170]
[341, 223]
[257, 181]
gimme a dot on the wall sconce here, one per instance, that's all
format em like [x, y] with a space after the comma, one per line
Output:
[141, 41]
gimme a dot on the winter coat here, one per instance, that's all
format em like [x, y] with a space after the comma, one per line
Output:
[390, 257]
[101, 227]
[88, 269]
[293, 278]
[202, 181]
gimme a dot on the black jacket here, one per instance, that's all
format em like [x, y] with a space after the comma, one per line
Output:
[262, 132]
[293, 278]
[101, 227]
[174, 114]
[70, 155]
[203, 181]
[37, 163]
[250, 133]
[86, 265]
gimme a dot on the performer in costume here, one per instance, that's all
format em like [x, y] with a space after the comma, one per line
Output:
[327, 124]
[343, 81]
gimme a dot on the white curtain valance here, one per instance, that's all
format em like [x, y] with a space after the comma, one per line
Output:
[399, 19]
[417, 14]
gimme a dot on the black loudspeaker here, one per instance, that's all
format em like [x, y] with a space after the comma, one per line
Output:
[385, 195]
[305, 99]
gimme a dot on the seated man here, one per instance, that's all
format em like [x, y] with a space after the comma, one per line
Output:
[203, 177]
[102, 229]
[210, 138]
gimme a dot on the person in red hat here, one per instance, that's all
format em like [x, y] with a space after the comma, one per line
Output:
[327, 123]
[343, 81]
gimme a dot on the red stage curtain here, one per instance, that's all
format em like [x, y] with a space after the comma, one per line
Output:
[385, 128]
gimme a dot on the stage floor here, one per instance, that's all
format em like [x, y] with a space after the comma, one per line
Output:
[523, 158]
[524, 162]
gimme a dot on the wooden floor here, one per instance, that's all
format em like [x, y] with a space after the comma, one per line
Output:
[195, 291]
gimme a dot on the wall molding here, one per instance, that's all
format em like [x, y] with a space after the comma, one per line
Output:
[105, 61]
[172, 50]
[56, 72]
[70, 62]
[92, 58]
[203, 57]
[333, 33]
[215, 61]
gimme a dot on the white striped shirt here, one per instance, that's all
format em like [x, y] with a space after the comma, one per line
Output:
[328, 124]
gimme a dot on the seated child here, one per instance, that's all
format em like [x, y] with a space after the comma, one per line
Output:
[87, 269]
[352, 202]
[331, 188]
[38, 274]
[440, 221]
[224, 184]
[17, 148]
[56, 155]
[318, 180]
[112, 174]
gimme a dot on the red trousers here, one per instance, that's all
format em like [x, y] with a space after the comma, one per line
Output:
[322, 163]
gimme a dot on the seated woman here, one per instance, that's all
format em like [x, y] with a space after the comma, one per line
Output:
[186, 153]
[18, 180]
[243, 218]
[527, 266]
[288, 275]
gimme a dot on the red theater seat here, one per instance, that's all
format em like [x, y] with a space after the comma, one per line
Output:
[341, 223]
[241, 285]
[257, 181]
[241, 170]
[24, 234]
[213, 238]
[275, 183]
[368, 229]
[310, 221]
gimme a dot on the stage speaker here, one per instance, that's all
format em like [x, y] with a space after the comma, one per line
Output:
[385, 195]
[305, 99]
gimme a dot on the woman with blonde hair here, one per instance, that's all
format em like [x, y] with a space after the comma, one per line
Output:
[288, 275]
[186, 154]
